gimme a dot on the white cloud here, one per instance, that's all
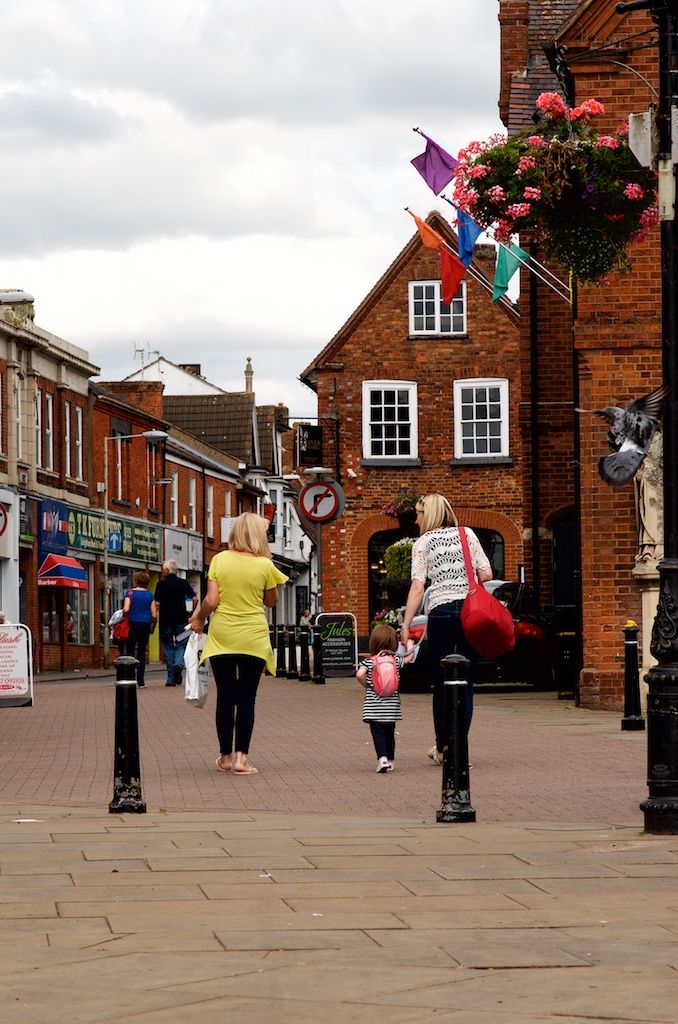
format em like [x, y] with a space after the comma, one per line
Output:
[230, 178]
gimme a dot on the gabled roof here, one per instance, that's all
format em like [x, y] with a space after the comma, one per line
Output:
[225, 421]
[177, 380]
[438, 222]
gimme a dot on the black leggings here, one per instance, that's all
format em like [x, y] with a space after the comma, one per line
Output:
[237, 677]
[383, 734]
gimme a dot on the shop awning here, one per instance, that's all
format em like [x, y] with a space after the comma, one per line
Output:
[62, 571]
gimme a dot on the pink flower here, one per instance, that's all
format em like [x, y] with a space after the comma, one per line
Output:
[551, 103]
[519, 210]
[496, 194]
[525, 163]
[649, 217]
[532, 193]
[478, 171]
[536, 140]
[503, 230]
[633, 191]
[607, 142]
[593, 107]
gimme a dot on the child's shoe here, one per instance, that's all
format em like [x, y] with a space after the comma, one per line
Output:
[382, 765]
[390, 766]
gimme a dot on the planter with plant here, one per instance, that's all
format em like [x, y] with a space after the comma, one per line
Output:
[580, 191]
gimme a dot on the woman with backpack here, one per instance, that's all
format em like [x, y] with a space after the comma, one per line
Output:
[380, 675]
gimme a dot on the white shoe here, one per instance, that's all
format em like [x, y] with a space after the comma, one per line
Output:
[390, 766]
[382, 765]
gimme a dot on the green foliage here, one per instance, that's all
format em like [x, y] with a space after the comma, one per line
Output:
[398, 560]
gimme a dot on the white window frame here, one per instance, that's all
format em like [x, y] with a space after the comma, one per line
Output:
[192, 510]
[210, 510]
[463, 418]
[68, 465]
[227, 502]
[447, 320]
[408, 386]
[38, 428]
[49, 431]
[174, 498]
[78, 443]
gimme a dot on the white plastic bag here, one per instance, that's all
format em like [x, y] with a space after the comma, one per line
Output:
[196, 674]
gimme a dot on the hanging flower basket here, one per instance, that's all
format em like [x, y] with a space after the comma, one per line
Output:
[581, 192]
[404, 503]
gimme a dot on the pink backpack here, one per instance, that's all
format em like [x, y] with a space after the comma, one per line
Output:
[384, 674]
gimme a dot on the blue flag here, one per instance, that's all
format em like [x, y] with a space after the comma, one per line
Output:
[467, 236]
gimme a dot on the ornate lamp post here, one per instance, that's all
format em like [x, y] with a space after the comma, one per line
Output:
[149, 435]
[661, 806]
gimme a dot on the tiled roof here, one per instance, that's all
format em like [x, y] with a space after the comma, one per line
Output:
[224, 421]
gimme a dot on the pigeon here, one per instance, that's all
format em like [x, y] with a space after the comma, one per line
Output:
[630, 435]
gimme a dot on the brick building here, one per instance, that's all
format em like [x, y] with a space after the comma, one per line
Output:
[603, 351]
[427, 398]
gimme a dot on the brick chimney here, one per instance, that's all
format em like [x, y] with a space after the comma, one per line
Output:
[514, 19]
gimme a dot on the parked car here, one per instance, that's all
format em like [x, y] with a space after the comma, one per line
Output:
[531, 661]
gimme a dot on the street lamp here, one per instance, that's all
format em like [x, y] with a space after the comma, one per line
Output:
[149, 435]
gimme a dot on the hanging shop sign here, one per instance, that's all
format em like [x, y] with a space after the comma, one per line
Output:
[309, 445]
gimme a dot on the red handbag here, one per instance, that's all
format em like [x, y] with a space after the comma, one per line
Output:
[487, 623]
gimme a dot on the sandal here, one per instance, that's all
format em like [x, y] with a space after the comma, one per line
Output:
[433, 754]
[247, 769]
[220, 765]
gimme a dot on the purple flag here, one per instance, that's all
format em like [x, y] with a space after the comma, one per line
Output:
[467, 236]
[435, 166]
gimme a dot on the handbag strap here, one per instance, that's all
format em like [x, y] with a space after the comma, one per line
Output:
[467, 558]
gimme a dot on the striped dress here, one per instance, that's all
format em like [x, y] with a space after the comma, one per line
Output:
[381, 709]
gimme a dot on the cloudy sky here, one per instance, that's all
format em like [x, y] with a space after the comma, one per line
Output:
[216, 179]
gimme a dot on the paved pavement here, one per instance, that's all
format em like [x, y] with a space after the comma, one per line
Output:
[318, 889]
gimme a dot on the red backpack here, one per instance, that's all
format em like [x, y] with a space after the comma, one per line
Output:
[384, 674]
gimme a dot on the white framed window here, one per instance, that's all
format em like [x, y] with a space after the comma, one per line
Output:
[227, 503]
[38, 428]
[67, 440]
[481, 418]
[210, 510]
[430, 315]
[174, 498]
[78, 443]
[192, 516]
[49, 431]
[390, 419]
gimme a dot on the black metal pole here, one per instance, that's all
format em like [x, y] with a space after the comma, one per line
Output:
[280, 665]
[304, 654]
[456, 793]
[292, 672]
[126, 773]
[661, 806]
[633, 720]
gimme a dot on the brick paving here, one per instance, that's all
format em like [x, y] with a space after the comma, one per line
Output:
[535, 758]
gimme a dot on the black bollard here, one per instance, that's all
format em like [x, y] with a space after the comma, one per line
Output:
[318, 676]
[280, 665]
[304, 654]
[633, 719]
[292, 672]
[456, 796]
[126, 774]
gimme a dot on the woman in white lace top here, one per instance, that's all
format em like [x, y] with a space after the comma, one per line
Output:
[437, 557]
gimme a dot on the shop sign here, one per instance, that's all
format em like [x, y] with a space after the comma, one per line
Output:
[53, 527]
[196, 559]
[176, 547]
[336, 634]
[16, 663]
[309, 445]
[26, 528]
[139, 541]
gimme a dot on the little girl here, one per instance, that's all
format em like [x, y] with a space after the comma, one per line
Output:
[382, 713]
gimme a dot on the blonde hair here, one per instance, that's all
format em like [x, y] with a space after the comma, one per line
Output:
[248, 533]
[383, 638]
[436, 513]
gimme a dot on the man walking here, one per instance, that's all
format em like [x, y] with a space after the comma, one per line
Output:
[175, 600]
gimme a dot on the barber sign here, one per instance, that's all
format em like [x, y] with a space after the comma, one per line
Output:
[16, 665]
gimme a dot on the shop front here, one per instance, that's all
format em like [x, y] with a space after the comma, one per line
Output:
[188, 552]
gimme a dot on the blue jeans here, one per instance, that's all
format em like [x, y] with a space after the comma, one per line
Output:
[446, 636]
[173, 652]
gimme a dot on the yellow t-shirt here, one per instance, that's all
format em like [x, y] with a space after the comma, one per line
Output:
[239, 624]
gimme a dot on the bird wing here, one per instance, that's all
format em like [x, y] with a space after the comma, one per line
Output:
[621, 467]
[651, 405]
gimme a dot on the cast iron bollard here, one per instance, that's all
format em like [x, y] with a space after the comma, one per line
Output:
[304, 655]
[280, 665]
[456, 798]
[633, 719]
[126, 775]
[292, 672]
[318, 676]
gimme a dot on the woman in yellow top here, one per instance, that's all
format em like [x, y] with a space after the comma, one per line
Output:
[240, 582]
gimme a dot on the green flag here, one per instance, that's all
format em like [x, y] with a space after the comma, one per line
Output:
[508, 262]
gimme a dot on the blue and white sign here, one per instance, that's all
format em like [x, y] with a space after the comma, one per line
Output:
[114, 540]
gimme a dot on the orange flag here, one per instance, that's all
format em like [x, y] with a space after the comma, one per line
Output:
[451, 272]
[429, 237]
